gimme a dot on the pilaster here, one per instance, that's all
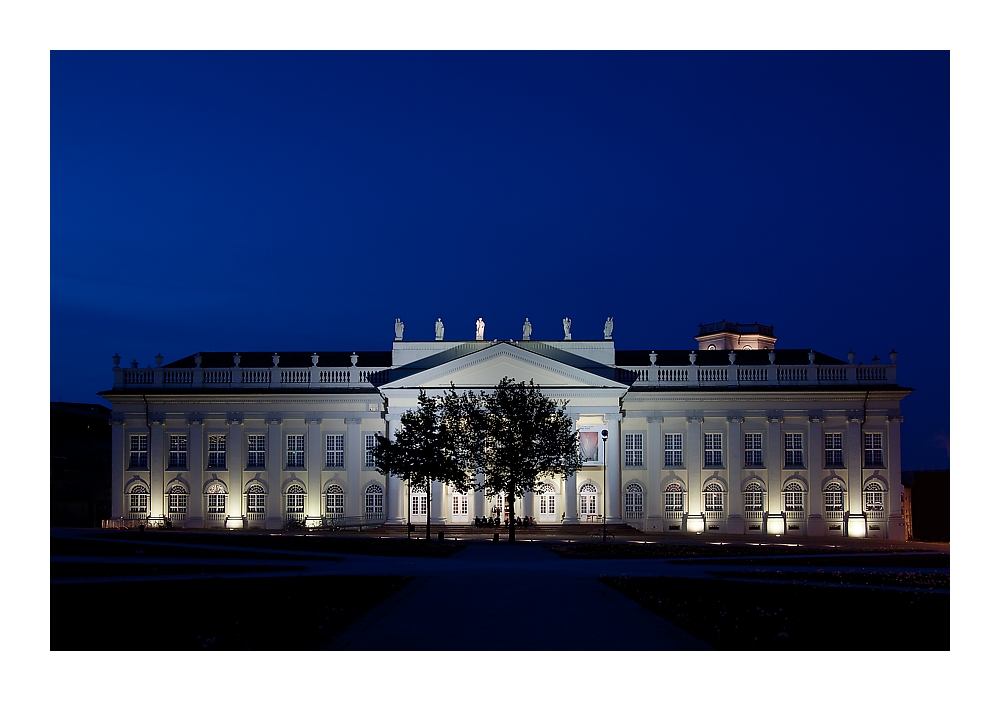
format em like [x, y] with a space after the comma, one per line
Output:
[394, 510]
[654, 469]
[734, 501]
[614, 458]
[816, 526]
[437, 503]
[315, 459]
[275, 462]
[857, 526]
[156, 460]
[353, 457]
[894, 507]
[235, 461]
[694, 456]
[196, 470]
[571, 504]
[774, 517]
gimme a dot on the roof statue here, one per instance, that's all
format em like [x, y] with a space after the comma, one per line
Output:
[526, 330]
[609, 326]
[480, 328]
[439, 330]
[399, 329]
[567, 336]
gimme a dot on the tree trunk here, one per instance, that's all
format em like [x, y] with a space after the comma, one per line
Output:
[428, 514]
[510, 511]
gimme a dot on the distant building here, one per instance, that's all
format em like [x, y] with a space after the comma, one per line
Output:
[79, 464]
[735, 436]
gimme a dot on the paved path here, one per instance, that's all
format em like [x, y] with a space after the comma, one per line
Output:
[512, 598]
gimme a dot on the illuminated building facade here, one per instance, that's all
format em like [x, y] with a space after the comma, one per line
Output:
[735, 436]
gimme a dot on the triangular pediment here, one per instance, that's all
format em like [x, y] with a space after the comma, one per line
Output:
[485, 368]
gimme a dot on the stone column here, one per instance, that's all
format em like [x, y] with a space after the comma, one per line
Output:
[854, 462]
[894, 506]
[275, 463]
[816, 525]
[196, 468]
[527, 504]
[774, 517]
[569, 489]
[437, 503]
[156, 460]
[119, 463]
[614, 457]
[694, 457]
[654, 470]
[353, 457]
[315, 460]
[734, 493]
[236, 452]
[395, 511]
[478, 499]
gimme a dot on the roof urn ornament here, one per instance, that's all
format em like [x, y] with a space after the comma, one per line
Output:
[439, 330]
[892, 356]
[770, 356]
[135, 363]
[275, 358]
[567, 322]
[197, 360]
[159, 359]
[876, 360]
[354, 359]
[236, 360]
[480, 328]
[117, 358]
[732, 357]
[399, 329]
[850, 357]
[692, 356]
[652, 358]
[526, 330]
[812, 357]
[609, 326]
[315, 359]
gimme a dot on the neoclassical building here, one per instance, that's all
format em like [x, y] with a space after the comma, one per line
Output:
[737, 436]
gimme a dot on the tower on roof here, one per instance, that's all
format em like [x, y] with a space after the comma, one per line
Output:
[732, 335]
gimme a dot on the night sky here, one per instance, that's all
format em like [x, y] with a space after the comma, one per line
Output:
[302, 201]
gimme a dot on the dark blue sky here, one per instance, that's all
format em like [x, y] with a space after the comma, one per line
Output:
[302, 201]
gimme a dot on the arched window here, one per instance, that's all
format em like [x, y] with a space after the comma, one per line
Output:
[255, 499]
[177, 500]
[295, 500]
[874, 502]
[588, 500]
[633, 501]
[673, 499]
[373, 500]
[334, 501]
[794, 501]
[138, 500]
[753, 501]
[713, 497]
[216, 497]
[547, 500]
[418, 500]
[833, 501]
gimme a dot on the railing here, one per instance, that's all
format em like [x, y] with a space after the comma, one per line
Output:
[252, 377]
[716, 515]
[761, 375]
[836, 515]
[256, 519]
[634, 517]
[875, 515]
[753, 514]
[215, 520]
[673, 514]
[799, 515]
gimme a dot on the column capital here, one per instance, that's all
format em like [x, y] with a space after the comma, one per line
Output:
[313, 420]
[613, 417]
[196, 420]
[654, 419]
[117, 419]
[817, 419]
[734, 418]
[273, 420]
[157, 419]
[775, 418]
[234, 419]
[352, 420]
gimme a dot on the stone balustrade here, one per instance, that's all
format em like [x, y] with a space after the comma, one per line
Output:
[251, 378]
[762, 375]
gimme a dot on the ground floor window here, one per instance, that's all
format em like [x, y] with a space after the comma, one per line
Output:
[418, 500]
[295, 500]
[794, 502]
[588, 499]
[713, 497]
[177, 501]
[138, 500]
[373, 500]
[673, 499]
[753, 501]
[334, 501]
[255, 499]
[216, 499]
[874, 504]
[833, 501]
[459, 504]
[633, 501]
[547, 500]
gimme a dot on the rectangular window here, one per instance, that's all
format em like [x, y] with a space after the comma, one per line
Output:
[834, 448]
[753, 501]
[793, 449]
[334, 503]
[793, 501]
[178, 452]
[834, 501]
[216, 503]
[873, 449]
[753, 448]
[138, 503]
[672, 452]
[295, 503]
[713, 448]
[217, 452]
[335, 450]
[370, 450]
[633, 449]
[138, 453]
[177, 503]
[459, 504]
[296, 451]
[255, 452]
[255, 503]
[873, 501]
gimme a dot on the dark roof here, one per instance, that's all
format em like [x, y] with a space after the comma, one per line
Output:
[288, 359]
[673, 358]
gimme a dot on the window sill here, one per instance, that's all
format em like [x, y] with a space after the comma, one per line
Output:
[633, 467]
[796, 466]
[295, 469]
[753, 466]
[216, 468]
[138, 469]
[177, 469]
[334, 468]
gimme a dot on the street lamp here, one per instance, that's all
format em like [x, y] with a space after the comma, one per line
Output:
[604, 437]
